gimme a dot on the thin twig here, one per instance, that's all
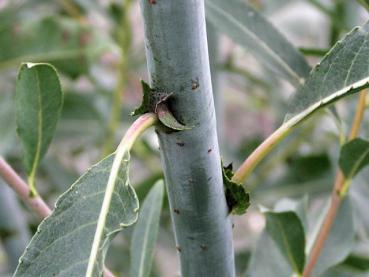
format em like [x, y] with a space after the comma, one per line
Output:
[337, 195]
[243, 172]
[360, 109]
[140, 125]
[326, 225]
[37, 204]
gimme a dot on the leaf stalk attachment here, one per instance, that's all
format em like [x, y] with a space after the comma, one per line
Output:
[137, 128]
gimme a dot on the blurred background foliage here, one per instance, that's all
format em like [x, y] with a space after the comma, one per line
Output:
[97, 47]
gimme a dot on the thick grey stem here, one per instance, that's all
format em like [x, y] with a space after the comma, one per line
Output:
[177, 57]
[213, 43]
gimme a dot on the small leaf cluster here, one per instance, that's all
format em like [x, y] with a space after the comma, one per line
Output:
[155, 101]
[238, 199]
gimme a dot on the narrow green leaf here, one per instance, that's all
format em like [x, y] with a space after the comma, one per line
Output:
[354, 156]
[358, 262]
[63, 243]
[146, 232]
[343, 71]
[286, 230]
[267, 260]
[307, 167]
[250, 29]
[297, 206]
[38, 104]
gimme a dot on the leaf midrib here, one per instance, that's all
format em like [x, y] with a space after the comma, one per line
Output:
[361, 84]
[110, 187]
[357, 164]
[39, 128]
[285, 241]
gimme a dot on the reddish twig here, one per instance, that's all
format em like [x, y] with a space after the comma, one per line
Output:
[337, 194]
[36, 203]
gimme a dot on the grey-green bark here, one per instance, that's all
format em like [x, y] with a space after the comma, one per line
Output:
[213, 45]
[177, 57]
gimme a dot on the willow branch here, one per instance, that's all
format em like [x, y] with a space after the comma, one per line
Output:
[360, 109]
[36, 203]
[259, 153]
[337, 194]
[136, 129]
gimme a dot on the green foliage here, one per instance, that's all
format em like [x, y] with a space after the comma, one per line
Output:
[238, 199]
[38, 104]
[247, 27]
[154, 101]
[270, 258]
[357, 262]
[267, 259]
[62, 244]
[307, 167]
[73, 35]
[146, 232]
[299, 207]
[281, 252]
[65, 43]
[330, 80]
[287, 231]
[146, 100]
[354, 157]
